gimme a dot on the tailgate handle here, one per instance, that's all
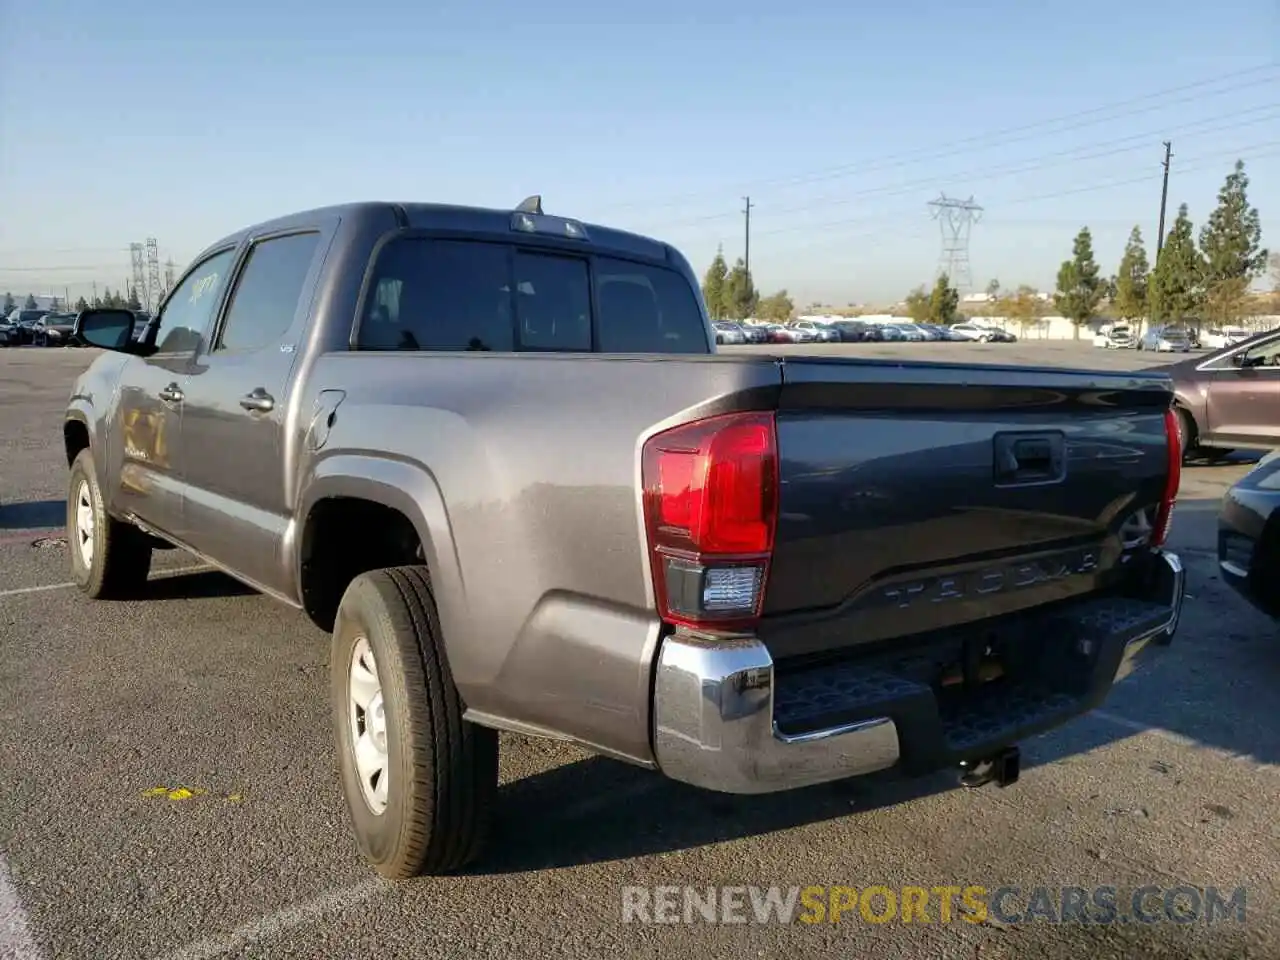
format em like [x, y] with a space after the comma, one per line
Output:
[1029, 458]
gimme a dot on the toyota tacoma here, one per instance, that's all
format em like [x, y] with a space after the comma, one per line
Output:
[497, 455]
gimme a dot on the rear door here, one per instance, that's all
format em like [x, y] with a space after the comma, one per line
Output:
[1244, 399]
[234, 476]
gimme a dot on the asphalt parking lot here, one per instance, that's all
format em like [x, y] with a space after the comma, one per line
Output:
[170, 788]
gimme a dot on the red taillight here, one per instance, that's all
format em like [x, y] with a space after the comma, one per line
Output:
[711, 508]
[1164, 515]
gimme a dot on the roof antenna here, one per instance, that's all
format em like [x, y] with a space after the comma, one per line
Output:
[531, 205]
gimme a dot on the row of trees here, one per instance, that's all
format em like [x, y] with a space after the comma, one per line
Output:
[1194, 282]
[731, 293]
[108, 299]
[1191, 281]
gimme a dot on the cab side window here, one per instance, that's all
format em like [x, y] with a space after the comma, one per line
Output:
[439, 295]
[189, 309]
[267, 292]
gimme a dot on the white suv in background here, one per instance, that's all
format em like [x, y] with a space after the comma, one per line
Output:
[971, 331]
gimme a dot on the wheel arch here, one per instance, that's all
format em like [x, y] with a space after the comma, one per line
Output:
[405, 493]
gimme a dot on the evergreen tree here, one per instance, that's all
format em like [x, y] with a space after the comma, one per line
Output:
[8, 304]
[30, 303]
[1132, 279]
[715, 287]
[1175, 290]
[1080, 288]
[944, 301]
[82, 304]
[740, 292]
[1231, 248]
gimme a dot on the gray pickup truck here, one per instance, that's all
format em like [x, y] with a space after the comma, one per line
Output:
[496, 454]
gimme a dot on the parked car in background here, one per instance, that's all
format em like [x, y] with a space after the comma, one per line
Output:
[729, 333]
[1215, 338]
[921, 331]
[53, 330]
[23, 323]
[1118, 337]
[1249, 536]
[7, 330]
[940, 332]
[905, 331]
[1231, 398]
[755, 332]
[1165, 340]
[971, 331]
[851, 331]
[818, 332]
[781, 334]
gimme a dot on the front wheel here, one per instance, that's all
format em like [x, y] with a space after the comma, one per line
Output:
[110, 559]
[419, 780]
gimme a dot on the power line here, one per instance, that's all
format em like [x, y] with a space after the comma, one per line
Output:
[906, 217]
[990, 138]
[1137, 142]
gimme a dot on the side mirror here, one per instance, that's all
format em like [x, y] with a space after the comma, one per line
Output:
[108, 328]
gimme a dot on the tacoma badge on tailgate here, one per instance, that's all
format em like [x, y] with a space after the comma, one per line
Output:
[991, 579]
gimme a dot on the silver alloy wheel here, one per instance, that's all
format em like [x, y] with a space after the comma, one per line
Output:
[1137, 530]
[367, 725]
[84, 523]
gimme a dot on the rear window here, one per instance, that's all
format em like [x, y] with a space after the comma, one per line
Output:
[429, 294]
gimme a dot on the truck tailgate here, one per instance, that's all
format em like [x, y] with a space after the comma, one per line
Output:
[918, 497]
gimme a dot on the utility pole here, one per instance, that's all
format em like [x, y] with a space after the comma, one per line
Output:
[1164, 197]
[746, 259]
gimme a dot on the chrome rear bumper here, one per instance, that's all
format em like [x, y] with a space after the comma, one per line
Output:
[714, 716]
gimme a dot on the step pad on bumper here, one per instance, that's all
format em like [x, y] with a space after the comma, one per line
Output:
[1062, 663]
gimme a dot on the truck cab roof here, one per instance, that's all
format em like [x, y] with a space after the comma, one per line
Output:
[456, 219]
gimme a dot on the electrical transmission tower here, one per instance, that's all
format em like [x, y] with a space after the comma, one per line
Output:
[168, 275]
[956, 218]
[154, 291]
[138, 257]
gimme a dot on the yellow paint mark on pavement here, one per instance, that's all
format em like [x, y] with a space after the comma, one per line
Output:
[175, 793]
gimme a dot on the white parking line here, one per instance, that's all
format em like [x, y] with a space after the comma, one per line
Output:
[158, 575]
[16, 941]
[276, 923]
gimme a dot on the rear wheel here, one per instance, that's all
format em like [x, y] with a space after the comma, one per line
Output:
[1186, 433]
[419, 780]
[110, 559]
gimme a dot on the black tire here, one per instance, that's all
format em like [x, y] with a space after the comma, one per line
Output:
[442, 771]
[119, 554]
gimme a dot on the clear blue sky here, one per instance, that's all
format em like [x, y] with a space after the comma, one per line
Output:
[121, 120]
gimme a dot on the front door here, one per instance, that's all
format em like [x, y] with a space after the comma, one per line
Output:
[151, 403]
[235, 479]
[1244, 400]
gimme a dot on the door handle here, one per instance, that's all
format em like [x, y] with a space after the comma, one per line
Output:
[259, 401]
[171, 394]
